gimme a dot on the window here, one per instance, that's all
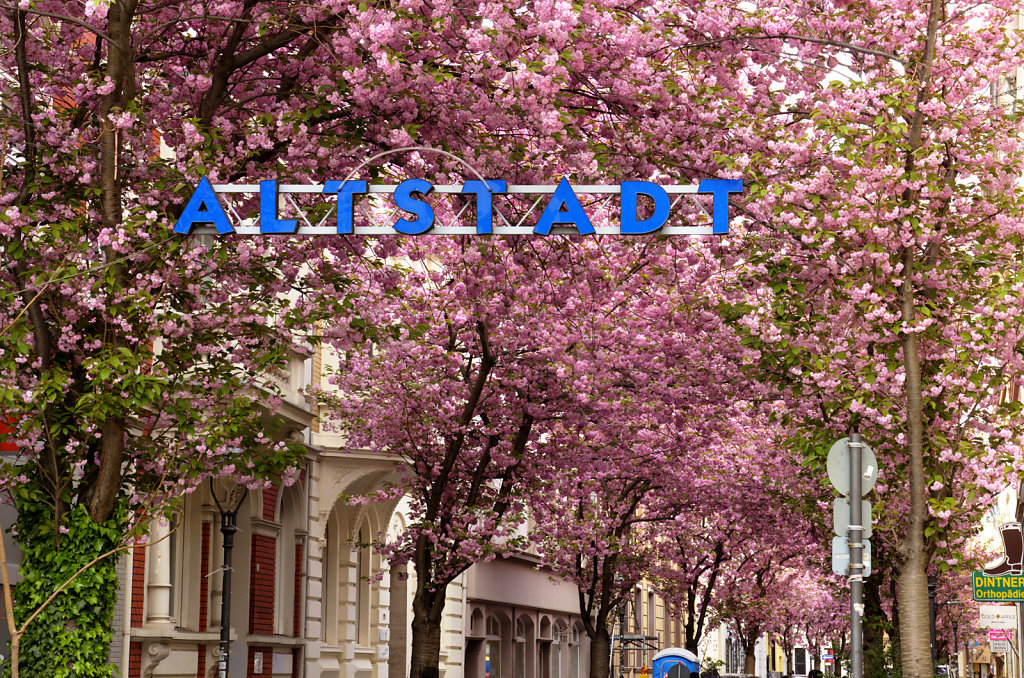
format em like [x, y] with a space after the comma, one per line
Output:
[174, 549]
[800, 661]
[574, 668]
[492, 658]
[519, 667]
[492, 648]
[182, 556]
[362, 585]
[651, 616]
[638, 601]
[559, 644]
[331, 636]
[287, 593]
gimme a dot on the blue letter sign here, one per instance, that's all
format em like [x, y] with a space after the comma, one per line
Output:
[203, 208]
[572, 214]
[501, 208]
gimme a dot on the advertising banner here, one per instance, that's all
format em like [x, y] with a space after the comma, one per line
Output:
[997, 616]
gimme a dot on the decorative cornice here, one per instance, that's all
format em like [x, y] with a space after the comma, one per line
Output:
[265, 528]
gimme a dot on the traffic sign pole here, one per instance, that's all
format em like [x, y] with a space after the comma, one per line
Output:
[856, 560]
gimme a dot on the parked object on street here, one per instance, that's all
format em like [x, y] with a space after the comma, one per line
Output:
[674, 662]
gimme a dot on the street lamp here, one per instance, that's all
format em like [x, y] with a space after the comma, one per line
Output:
[228, 515]
[955, 621]
[956, 642]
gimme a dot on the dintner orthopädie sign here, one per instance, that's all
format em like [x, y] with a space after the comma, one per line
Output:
[563, 210]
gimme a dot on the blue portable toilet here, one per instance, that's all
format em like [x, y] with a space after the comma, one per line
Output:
[674, 662]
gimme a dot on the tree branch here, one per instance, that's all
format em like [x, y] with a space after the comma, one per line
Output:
[61, 17]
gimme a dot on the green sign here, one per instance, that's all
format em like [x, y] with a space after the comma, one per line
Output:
[997, 588]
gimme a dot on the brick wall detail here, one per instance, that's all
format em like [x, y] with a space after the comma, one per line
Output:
[204, 579]
[261, 584]
[138, 588]
[135, 655]
[201, 664]
[268, 661]
[297, 605]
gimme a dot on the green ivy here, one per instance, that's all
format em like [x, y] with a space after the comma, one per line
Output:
[71, 638]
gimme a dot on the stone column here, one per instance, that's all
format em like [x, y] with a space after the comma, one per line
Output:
[398, 622]
[160, 587]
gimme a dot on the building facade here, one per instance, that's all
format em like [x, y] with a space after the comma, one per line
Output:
[311, 598]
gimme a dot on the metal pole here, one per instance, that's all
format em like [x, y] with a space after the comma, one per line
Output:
[227, 529]
[956, 649]
[623, 614]
[856, 560]
[931, 621]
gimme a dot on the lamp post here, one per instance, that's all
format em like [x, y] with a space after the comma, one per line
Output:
[228, 515]
[956, 643]
[954, 619]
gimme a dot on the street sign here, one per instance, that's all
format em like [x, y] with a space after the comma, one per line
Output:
[997, 588]
[841, 556]
[999, 645]
[841, 516]
[997, 616]
[828, 657]
[1000, 634]
[838, 467]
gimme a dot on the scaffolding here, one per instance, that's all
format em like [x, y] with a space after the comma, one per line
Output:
[627, 645]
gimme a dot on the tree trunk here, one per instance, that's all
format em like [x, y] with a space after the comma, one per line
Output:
[876, 623]
[427, 610]
[600, 653]
[689, 632]
[749, 662]
[915, 641]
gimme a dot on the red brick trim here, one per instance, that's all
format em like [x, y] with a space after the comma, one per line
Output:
[204, 578]
[201, 663]
[297, 605]
[262, 575]
[138, 592]
[135, 657]
[270, 501]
